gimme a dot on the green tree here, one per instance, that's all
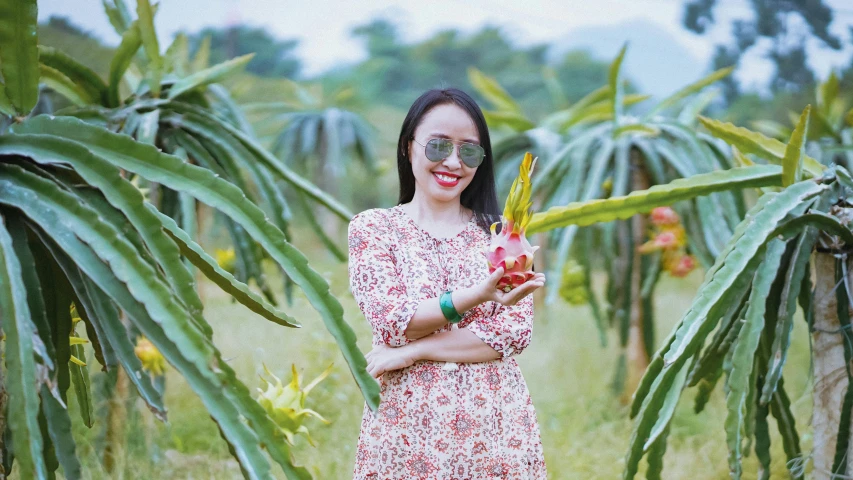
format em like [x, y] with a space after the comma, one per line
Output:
[273, 57]
[750, 296]
[596, 148]
[395, 72]
[772, 20]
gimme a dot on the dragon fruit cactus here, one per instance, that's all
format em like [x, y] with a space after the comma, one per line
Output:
[510, 249]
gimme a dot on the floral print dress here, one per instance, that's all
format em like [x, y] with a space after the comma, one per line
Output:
[440, 420]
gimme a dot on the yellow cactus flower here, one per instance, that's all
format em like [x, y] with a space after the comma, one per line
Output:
[226, 259]
[151, 358]
[285, 405]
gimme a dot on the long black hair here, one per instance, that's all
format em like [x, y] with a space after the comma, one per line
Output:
[480, 195]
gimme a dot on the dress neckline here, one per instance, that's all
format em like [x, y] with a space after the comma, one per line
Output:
[408, 218]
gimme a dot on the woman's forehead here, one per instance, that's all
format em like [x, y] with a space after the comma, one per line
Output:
[448, 121]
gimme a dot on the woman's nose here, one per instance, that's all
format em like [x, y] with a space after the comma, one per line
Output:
[453, 160]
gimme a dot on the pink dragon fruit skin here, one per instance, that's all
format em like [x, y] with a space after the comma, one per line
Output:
[510, 248]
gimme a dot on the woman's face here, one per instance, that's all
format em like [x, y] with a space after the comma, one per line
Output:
[446, 179]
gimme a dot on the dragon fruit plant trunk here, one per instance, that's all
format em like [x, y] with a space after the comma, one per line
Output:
[830, 374]
[636, 348]
[116, 421]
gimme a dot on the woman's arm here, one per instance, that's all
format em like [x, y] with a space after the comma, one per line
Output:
[460, 345]
[429, 318]
[502, 336]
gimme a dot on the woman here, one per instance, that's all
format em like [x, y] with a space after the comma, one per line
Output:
[453, 402]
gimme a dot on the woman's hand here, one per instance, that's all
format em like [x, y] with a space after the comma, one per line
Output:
[386, 359]
[490, 292]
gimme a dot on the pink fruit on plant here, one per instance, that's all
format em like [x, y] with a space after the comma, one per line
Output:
[685, 265]
[664, 240]
[510, 249]
[664, 216]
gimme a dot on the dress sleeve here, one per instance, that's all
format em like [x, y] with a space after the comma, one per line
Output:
[375, 280]
[508, 329]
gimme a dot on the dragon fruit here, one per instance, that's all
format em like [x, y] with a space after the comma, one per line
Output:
[510, 249]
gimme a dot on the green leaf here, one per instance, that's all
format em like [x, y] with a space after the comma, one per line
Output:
[780, 407]
[724, 276]
[514, 120]
[122, 195]
[655, 456]
[762, 441]
[785, 322]
[149, 125]
[19, 62]
[177, 55]
[35, 291]
[202, 55]
[6, 107]
[605, 210]
[587, 239]
[234, 158]
[82, 387]
[210, 75]
[667, 409]
[691, 89]
[827, 223]
[827, 91]
[101, 313]
[318, 230]
[754, 143]
[149, 304]
[156, 166]
[555, 120]
[222, 278]
[738, 382]
[64, 86]
[152, 47]
[730, 274]
[617, 89]
[75, 71]
[637, 129]
[227, 108]
[842, 440]
[130, 43]
[21, 369]
[273, 164]
[708, 370]
[118, 14]
[792, 162]
[489, 88]
[59, 431]
[552, 83]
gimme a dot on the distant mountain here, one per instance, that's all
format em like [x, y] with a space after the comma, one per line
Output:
[656, 61]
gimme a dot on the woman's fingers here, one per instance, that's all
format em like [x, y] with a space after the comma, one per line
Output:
[516, 294]
[495, 277]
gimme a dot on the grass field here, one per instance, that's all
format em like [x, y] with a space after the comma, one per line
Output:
[585, 430]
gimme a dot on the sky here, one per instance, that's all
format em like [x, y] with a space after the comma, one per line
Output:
[323, 26]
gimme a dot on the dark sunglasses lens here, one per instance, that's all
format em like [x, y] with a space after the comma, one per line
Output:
[471, 154]
[438, 149]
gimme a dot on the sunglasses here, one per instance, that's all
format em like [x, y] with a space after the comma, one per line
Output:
[437, 149]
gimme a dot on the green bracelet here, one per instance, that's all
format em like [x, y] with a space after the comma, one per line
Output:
[448, 309]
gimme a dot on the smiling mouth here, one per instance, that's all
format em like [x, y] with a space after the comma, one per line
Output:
[446, 180]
